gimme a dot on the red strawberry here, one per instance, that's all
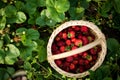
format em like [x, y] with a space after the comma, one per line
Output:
[87, 56]
[80, 36]
[73, 39]
[54, 47]
[67, 64]
[64, 35]
[57, 38]
[81, 69]
[93, 51]
[71, 34]
[75, 56]
[75, 62]
[78, 42]
[62, 48]
[86, 62]
[69, 59]
[58, 62]
[76, 28]
[94, 57]
[84, 29]
[81, 62]
[68, 42]
[56, 52]
[85, 40]
[87, 67]
[72, 66]
[60, 34]
[70, 29]
[74, 47]
[60, 43]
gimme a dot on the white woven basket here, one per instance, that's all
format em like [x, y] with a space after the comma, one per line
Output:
[99, 40]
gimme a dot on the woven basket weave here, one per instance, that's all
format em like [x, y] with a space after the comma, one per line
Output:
[99, 40]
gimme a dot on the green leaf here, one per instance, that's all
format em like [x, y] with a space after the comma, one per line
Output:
[41, 20]
[10, 11]
[19, 5]
[1, 43]
[12, 54]
[62, 7]
[116, 4]
[2, 55]
[84, 3]
[118, 77]
[76, 13]
[42, 53]
[53, 14]
[107, 78]
[32, 34]
[21, 30]
[27, 66]
[2, 22]
[112, 44]
[2, 12]
[21, 17]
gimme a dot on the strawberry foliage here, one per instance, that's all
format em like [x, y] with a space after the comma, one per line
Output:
[26, 25]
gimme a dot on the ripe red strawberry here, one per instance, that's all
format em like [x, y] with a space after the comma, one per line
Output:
[76, 28]
[60, 34]
[84, 29]
[67, 64]
[57, 38]
[81, 69]
[56, 52]
[93, 51]
[85, 40]
[71, 34]
[54, 47]
[75, 62]
[69, 59]
[78, 42]
[81, 62]
[74, 47]
[86, 62]
[94, 57]
[73, 39]
[72, 66]
[80, 36]
[60, 43]
[58, 62]
[87, 56]
[62, 48]
[68, 42]
[75, 56]
[64, 35]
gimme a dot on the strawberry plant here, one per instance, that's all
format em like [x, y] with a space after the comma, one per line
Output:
[26, 25]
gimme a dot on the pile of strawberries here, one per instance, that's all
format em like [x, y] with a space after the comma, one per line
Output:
[72, 38]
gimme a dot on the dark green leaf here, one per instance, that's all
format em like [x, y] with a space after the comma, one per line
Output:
[76, 13]
[41, 20]
[116, 4]
[2, 22]
[27, 66]
[10, 11]
[107, 78]
[32, 34]
[112, 44]
[2, 55]
[19, 5]
[84, 3]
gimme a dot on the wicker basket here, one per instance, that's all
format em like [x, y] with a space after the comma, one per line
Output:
[99, 40]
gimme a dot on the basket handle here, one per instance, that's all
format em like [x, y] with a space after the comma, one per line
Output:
[76, 51]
